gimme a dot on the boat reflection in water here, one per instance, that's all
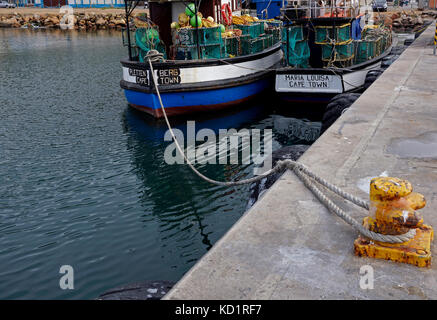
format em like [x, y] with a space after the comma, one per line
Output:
[190, 215]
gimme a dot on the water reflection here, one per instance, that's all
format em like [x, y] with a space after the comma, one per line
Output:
[173, 194]
[83, 179]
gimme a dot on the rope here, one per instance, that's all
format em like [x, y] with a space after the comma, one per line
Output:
[302, 172]
[154, 56]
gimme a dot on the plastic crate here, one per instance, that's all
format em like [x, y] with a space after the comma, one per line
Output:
[268, 41]
[261, 26]
[232, 45]
[327, 34]
[295, 33]
[190, 52]
[386, 41]
[364, 50]
[337, 52]
[250, 46]
[378, 46]
[297, 54]
[188, 36]
[275, 23]
[275, 32]
[253, 30]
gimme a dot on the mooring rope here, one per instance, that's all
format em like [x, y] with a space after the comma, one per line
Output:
[300, 170]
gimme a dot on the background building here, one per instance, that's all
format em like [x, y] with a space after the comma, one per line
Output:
[73, 3]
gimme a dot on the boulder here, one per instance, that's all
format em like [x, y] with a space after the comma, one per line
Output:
[119, 22]
[388, 21]
[101, 22]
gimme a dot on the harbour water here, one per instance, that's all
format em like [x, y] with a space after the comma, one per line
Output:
[83, 181]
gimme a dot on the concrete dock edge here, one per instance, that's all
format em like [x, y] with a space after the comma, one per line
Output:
[289, 246]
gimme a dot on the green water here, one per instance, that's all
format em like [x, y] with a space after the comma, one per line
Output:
[83, 181]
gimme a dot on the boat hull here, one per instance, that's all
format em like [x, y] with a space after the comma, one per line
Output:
[336, 81]
[188, 87]
[187, 102]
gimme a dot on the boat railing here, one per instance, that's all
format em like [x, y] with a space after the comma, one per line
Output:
[303, 9]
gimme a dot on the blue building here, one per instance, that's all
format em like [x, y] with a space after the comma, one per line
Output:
[77, 3]
[267, 9]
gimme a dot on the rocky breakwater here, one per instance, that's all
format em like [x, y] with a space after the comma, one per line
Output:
[406, 21]
[79, 21]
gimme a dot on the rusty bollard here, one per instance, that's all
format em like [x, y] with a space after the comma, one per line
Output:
[393, 206]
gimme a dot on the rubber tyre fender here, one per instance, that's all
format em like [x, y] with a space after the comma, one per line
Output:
[371, 76]
[336, 107]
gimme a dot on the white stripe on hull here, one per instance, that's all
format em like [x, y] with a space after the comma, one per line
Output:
[219, 72]
[356, 79]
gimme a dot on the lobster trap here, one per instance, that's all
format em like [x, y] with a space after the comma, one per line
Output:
[330, 34]
[190, 36]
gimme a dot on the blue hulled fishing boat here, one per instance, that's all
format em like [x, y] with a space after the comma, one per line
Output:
[201, 64]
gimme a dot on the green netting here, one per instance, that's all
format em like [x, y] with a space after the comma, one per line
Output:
[268, 41]
[275, 32]
[253, 30]
[232, 45]
[329, 34]
[380, 35]
[249, 46]
[295, 33]
[297, 53]
[188, 36]
[364, 50]
[275, 23]
[339, 52]
[261, 27]
[147, 39]
[190, 52]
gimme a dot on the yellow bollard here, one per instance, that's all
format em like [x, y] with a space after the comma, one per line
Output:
[393, 206]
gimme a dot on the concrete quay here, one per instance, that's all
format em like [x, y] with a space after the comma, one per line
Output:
[289, 246]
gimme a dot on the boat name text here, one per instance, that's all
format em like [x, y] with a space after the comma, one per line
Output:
[308, 80]
[169, 76]
[141, 76]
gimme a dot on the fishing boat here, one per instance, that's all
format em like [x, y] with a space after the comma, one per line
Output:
[328, 50]
[201, 64]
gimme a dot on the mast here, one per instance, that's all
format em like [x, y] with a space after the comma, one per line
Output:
[128, 8]
[128, 29]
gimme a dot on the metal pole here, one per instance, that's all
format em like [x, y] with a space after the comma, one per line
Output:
[435, 38]
[197, 28]
[127, 30]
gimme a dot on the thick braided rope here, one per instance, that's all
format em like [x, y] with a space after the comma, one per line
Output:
[299, 170]
[356, 200]
[346, 217]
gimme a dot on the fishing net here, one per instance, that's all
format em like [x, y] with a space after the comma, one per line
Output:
[295, 46]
